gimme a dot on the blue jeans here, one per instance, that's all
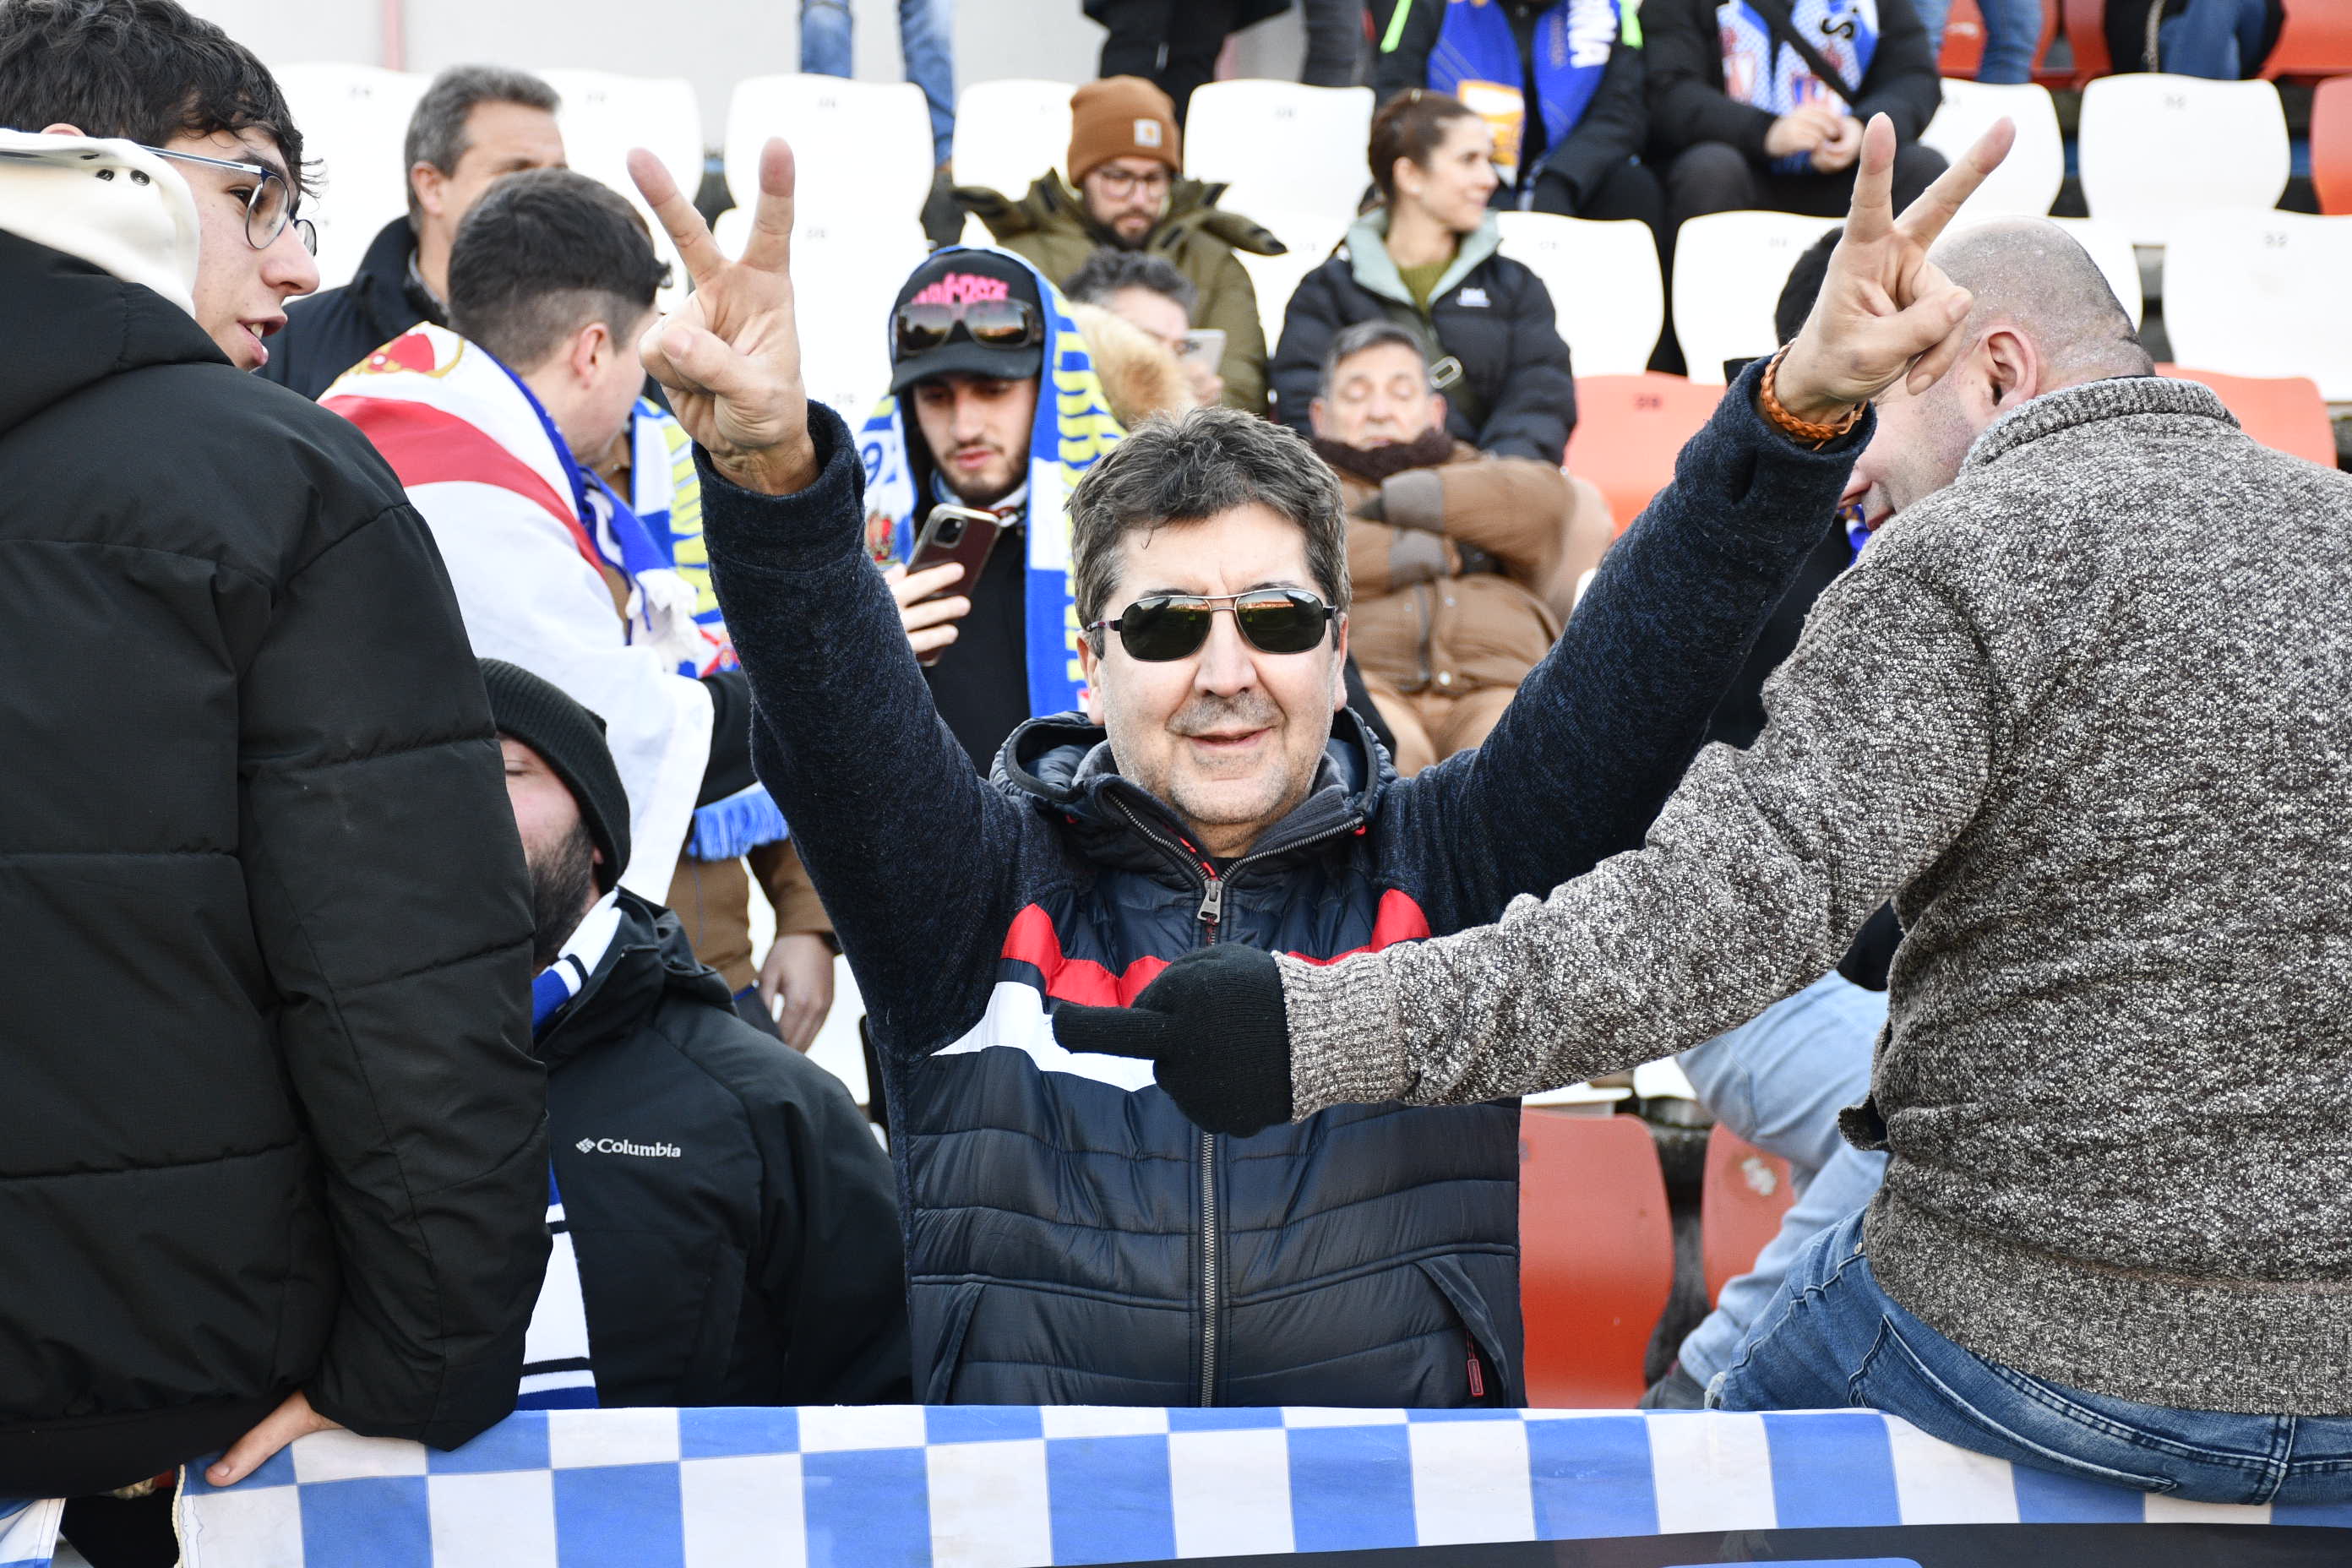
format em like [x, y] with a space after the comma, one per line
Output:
[2012, 28]
[2222, 39]
[926, 37]
[1779, 1081]
[1833, 1339]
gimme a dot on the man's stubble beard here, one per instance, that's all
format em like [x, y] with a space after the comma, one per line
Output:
[562, 886]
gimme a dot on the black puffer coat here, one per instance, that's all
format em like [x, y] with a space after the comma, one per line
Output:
[269, 1120]
[1517, 396]
[758, 1264]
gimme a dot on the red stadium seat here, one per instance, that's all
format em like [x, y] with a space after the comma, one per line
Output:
[2331, 145]
[1628, 429]
[1745, 1193]
[2284, 412]
[2086, 34]
[2316, 41]
[1964, 41]
[1596, 1256]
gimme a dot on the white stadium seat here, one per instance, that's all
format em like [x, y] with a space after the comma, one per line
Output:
[861, 149]
[1605, 289]
[602, 116]
[2154, 147]
[2027, 181]
[1311, 237]
[355, 119]
[1009, 132]
[1281, 147]
[2261, 293]
[1729, 268]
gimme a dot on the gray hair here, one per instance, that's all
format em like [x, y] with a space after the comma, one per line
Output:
[1188, 470]
[1110, 270]
[1378, 332]
[436, 131]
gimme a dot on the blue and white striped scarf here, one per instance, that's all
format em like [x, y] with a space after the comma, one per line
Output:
[1765, 73]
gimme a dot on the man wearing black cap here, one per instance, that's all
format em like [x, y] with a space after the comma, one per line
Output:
[724, 1225]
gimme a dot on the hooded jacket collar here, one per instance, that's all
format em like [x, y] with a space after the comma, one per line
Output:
[648, 960]
[1063, 764]
[1376, 270]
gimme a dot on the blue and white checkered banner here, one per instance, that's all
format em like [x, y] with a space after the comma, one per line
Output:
[1019, 1487]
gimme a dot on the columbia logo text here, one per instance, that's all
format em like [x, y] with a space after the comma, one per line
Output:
[622, 1146]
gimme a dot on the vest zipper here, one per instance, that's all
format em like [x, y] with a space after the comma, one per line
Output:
[1212, 915]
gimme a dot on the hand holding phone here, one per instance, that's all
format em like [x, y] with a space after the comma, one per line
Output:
[949, 550]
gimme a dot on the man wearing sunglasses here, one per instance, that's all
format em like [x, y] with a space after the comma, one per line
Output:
[267, 917]
[1072, 1238]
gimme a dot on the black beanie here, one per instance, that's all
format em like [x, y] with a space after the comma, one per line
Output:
[543, 716]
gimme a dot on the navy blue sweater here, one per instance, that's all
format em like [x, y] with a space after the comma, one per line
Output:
[1070, 1236]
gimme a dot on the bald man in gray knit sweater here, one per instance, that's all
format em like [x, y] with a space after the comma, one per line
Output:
[2083, 707]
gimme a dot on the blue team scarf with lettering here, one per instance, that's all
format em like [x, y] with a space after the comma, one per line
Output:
[1765, 73]
[1074, 426]
[1572, 40]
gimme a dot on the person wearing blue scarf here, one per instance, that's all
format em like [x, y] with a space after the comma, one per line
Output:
[1559, 81]
[1743, 118]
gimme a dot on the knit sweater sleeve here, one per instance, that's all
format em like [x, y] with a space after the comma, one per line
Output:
[1754, 879]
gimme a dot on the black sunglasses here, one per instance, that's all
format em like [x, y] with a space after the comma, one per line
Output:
[997, 323]
[1174, 625]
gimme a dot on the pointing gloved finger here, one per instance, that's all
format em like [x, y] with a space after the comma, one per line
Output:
[1112, 1031]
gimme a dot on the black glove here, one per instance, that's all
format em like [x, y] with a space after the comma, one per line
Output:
[1212, 1028]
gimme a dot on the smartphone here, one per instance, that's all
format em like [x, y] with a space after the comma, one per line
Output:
[1206, 346]
[959, 534]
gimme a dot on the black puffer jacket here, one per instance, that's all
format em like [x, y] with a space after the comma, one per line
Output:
[333, 330]
[1517, 396]
[760, 1263]
[270, 1119]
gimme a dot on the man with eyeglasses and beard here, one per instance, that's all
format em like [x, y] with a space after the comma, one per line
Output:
[270, 1148]
[1126, 190]
[1071, 1236]
[721, 1213]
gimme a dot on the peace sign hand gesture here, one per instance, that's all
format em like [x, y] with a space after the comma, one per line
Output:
[1884, 309]
[731, 357]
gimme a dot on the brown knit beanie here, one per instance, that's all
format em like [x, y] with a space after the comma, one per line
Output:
[1121, 117]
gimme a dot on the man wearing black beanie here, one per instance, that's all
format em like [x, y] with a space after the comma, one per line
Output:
[708, 1186]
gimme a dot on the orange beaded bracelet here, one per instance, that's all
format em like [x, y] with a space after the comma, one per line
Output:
[1800, 429]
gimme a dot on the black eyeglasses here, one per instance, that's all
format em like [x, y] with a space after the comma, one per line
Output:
[269, 206]
[1174, 625]
[998, 324]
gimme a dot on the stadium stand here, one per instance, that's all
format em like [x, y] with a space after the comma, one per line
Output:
[1741, 1199]
[1311, 237]
[1281, 147]
[2029, 179]
[1964, 40]
[353, 120]
[2085, 22]
[1606, 293]
[2331, 145]
[1628, 429]
[2154, 147]
[2262, 294]
[1596, 1256]
[2284, 412]
[604, 114]
[1009, 132]
[862, 149]
[1728, 271]
[2316, 41]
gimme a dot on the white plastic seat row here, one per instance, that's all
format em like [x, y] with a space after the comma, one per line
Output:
[354, 121]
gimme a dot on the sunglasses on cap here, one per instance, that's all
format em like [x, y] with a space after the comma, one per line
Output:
[992, 323]
[1174, 625]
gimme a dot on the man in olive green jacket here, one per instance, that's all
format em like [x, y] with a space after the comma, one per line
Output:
[1125, 189]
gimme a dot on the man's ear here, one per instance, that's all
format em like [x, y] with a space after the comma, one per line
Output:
[591, 347]
[1437, 402]
[428, 185]
[1339, 662]
[1315, 418]
[1090, 671]
[62, 129]
[2013, 367]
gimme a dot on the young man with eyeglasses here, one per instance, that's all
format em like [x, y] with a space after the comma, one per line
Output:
[1072, 1238]
[268, 915]
[1126, 188]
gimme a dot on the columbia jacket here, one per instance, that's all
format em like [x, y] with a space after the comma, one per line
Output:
[750, 1256]
[1517, 398]
[270, 1118]
[1051, 228]
[1071, 1236]
[328, 333]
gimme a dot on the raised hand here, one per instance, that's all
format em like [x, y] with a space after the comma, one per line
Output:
[731, 357]
[1885, 312]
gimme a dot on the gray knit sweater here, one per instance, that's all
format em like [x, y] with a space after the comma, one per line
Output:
[2087, 716]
